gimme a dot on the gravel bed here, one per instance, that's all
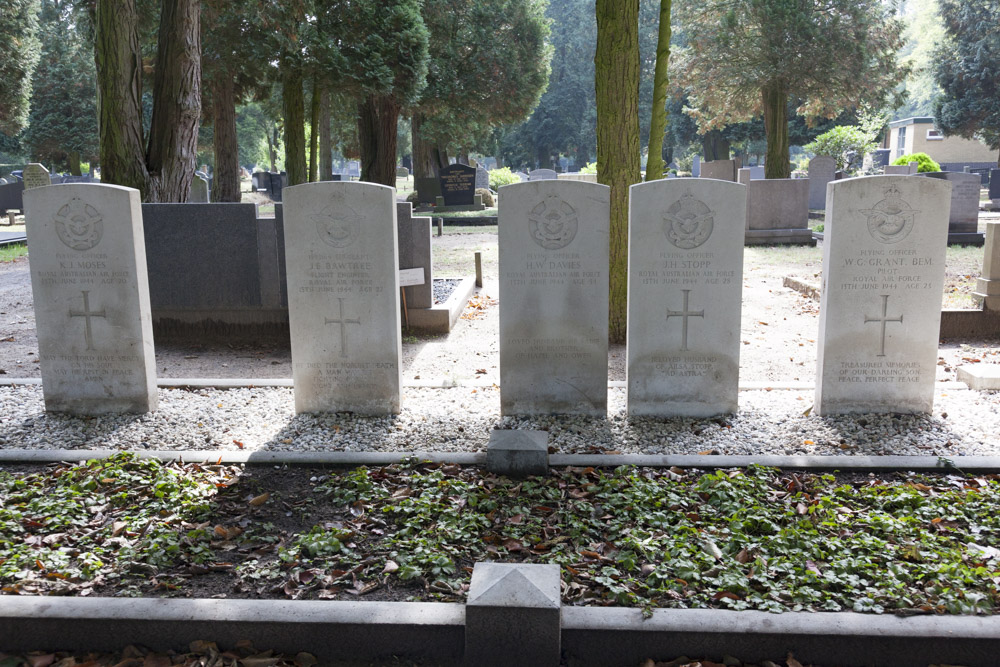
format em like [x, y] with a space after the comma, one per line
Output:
[443, 287]
[460, 419]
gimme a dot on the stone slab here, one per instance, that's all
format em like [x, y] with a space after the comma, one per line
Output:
[900, 170]
[518, 453]
[964, 213]
[414, 236]
[553, 255]
[512, 616]
[983, 377]
[36, 175]
[482, 178]
[343, 297]
[779, 203]
[722, 170]
[994, 189]
[780, 237]
[880, 308]
[576, 176]
[684, 297]
[12, 197]
[822, 170]
[428, 189]
[91, 297]
[542, 175]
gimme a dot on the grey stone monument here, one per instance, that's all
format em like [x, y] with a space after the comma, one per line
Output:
[482, 178]
[553, 253]
[778, 212]
[963, 221]
[91, 296]
[199, 190]
[822, 170]
[722, 170]
[880, 310]
[36, 176]
[414, 236]
[685, 285]
[343, 299]
[542, 175]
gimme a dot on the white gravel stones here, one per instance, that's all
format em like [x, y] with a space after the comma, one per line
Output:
[460, 419]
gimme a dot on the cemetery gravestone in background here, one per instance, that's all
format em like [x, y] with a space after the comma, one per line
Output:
[458, 185]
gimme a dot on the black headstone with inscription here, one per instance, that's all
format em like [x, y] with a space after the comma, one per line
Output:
[458, 185]
[994, 183]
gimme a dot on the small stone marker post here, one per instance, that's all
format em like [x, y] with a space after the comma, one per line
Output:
[35, 175]
[512, 616]
[685, 284]
[343, 299]
[91, 296]
[880, 309]
[553, 253]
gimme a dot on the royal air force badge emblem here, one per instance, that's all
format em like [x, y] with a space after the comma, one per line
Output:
[891, 220]
[79, 226]
[553, 223]
[338, 224]
[688, 222]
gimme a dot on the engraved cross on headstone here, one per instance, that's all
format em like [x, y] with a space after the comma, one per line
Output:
[343, 328]
[684, 314]
[883, 319]
[87, 314]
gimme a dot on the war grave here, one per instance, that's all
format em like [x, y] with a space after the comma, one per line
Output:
[700, 387]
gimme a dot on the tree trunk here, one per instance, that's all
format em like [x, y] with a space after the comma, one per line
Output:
[616, 70]
[714, 146]
[226, 184]
[377, 118]
[73, 157]
[272, 150]
[119, 94]
[661, 81]
[775, 97]
[293, 106]
[325, 143]
[428, 158]
[173, 134]
[314, 134]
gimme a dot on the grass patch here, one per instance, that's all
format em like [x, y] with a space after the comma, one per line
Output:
[486, 213]
[738, 539]
[12, 251]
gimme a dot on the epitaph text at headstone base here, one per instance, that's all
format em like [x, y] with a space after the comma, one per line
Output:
[36, 176]
[822, 170]
[415, 251]
[685, 285]
[458, 184]
[880, 310]
[553, 253]
[964, 215]
[91, 297]
[343, 300]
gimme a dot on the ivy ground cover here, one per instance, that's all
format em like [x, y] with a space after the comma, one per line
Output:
[755, 538]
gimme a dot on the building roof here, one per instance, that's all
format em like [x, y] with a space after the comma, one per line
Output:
[916, 120]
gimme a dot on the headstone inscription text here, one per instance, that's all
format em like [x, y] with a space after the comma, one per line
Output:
[458, 185]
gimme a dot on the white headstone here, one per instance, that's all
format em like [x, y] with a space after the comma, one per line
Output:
[822, 170]
[883, 279]
[35, 175]
[900, 169]
[91, 296]
[553, 245]
[343, 297]
[199, 190]
[542, 175]
[685, 284]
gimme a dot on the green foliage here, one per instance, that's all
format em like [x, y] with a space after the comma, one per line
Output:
[19, 53]
[589, 168]
[849, 144]
[63, 118]
[924, 31]
[501, 177]
[924, 162]
[12, 251]
[968, 71]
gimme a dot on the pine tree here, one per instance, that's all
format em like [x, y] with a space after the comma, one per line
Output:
[19, 53]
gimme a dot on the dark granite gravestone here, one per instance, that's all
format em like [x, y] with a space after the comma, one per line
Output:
[11, 196]
[994, 184]
[880, 158]
[428, 189]
[277, 183]
[458, 185]
[261, 181]
[354, 169]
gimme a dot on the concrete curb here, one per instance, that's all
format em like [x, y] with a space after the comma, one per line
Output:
[444, 383]
[329, 630]
[345, 459]
[435, 631]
